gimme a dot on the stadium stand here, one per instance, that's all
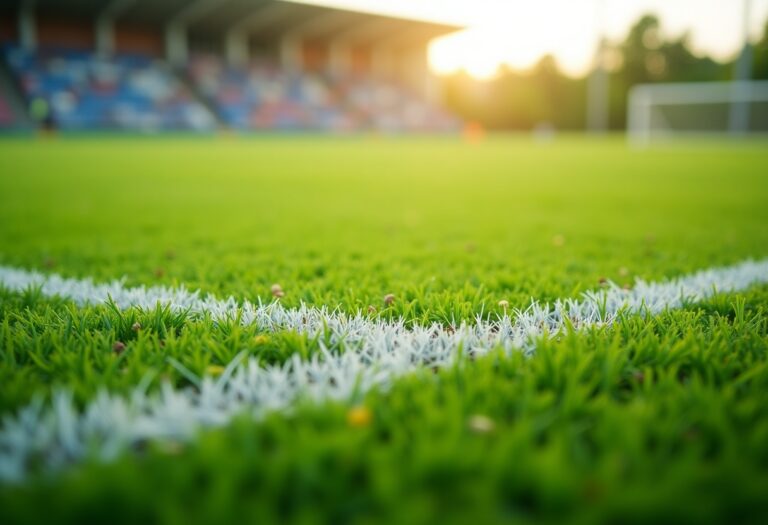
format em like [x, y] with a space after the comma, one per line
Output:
[390, 107]
[195, 65]
[86, 92]
[262, 96]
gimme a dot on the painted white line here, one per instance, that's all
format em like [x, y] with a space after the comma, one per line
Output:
[361, 354]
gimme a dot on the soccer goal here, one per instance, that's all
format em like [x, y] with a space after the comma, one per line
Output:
[667, 111]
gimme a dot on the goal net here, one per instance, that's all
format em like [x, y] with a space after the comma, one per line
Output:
[666, 111]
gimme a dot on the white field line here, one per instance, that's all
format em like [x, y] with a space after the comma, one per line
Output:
[361, 354]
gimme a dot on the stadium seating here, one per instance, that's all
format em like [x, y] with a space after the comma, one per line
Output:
[389, 107]
[87, 92]
[264, 97]
[136, 93]
[261, 96]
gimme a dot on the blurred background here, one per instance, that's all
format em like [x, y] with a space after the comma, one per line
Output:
[657, 69]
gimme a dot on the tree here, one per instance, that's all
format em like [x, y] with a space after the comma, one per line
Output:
[760, 56]
[523, 99]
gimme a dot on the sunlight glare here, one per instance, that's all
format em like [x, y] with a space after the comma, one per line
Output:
[518, 35]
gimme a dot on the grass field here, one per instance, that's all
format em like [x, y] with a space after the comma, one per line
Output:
[649, 418]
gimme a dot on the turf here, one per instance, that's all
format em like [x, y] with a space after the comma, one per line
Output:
[442, 225]
[651, 420]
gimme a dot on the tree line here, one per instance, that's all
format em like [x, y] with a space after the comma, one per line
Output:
[544, 95]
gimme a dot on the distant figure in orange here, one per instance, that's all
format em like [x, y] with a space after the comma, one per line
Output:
[474, 132]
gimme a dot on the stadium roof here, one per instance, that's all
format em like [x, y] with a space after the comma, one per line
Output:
[260, 19]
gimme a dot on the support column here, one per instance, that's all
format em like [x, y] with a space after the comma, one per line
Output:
[319, 28]
[738, 119]
[176, 44]
[597, 84]
[236, 48]
[290, 53]
[27, 27]
[343, 42]
[236, 40]
[382, 61]
[105, 37]
[339, 57]
[430, 84]
[417, 72]
[597, 93]
[105, 25]
[639, 117]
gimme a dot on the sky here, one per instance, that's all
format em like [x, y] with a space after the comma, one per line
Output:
[520, 32]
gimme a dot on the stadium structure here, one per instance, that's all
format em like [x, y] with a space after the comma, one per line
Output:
[201, 65]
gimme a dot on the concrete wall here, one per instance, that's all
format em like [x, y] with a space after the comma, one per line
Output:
[58, 32]
[139, 40]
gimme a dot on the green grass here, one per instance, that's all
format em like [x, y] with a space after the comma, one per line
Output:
[344, 222]
[659, 419]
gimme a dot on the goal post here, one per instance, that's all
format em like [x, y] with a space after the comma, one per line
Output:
[666, 111]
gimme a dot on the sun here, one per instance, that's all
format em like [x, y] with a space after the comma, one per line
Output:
[469, 50]
[517, 35]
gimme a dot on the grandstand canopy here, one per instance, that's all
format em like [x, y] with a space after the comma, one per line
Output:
[262, 20]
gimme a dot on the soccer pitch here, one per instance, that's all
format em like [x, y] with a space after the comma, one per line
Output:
[398, 371]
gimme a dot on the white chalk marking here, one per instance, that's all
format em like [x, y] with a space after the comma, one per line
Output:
[361, 354]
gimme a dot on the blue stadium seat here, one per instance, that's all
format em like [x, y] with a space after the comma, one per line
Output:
[261, 96]
[126, 92]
